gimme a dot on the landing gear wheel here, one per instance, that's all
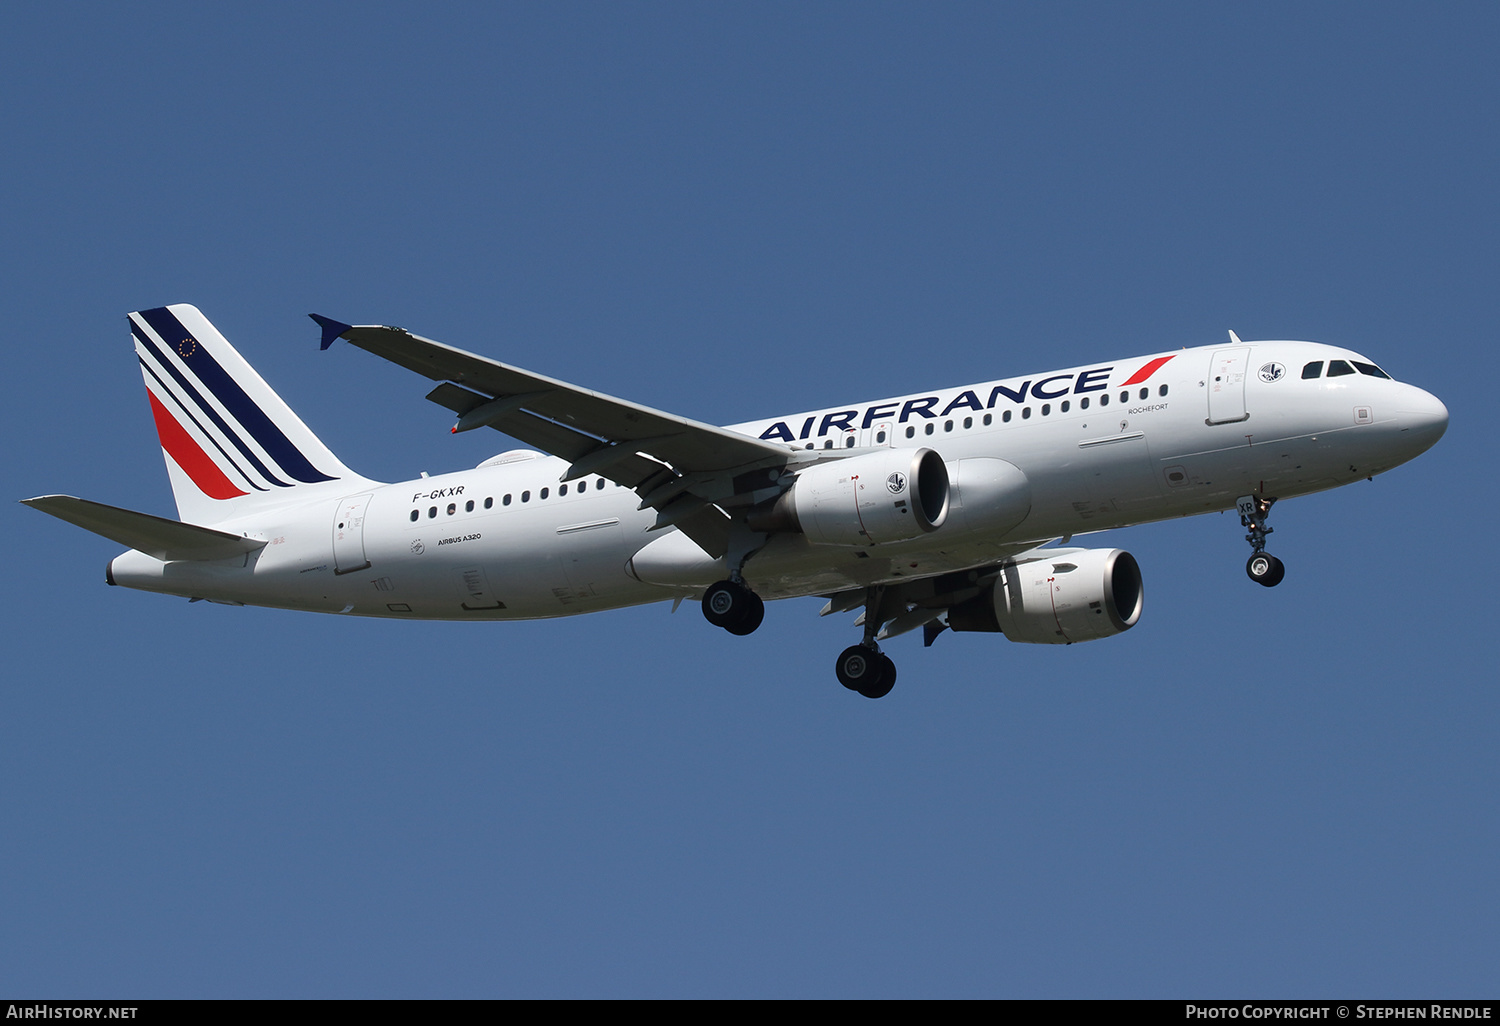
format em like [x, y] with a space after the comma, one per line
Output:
[733, 607]
[1265, 569]
[754, 614]
[886, 682]
[866, 670]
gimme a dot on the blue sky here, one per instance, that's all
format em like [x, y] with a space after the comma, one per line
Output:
[734, 211]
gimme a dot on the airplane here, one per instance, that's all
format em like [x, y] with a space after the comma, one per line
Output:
[951, 509]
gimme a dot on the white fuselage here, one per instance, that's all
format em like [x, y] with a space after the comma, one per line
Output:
[507, 540]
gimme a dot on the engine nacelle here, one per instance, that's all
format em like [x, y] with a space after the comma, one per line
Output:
[886, 496]
[1071, 595]
[988, 495]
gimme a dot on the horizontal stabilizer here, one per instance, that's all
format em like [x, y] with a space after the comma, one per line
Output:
[155, 536]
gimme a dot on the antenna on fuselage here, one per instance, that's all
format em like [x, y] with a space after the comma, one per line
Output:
[1234, 338]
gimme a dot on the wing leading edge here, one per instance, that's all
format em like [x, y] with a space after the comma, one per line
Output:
[682, 468]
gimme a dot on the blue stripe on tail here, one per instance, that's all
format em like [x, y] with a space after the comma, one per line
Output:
[229, 393]
[188, 412]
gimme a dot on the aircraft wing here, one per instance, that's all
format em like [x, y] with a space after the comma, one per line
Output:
[680, 467]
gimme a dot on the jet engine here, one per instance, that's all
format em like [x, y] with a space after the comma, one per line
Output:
[886, 496]
[1070, 595]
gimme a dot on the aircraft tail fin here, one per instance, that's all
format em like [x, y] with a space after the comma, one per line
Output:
[231, 443]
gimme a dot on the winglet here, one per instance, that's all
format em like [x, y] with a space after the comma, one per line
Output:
[332, 329]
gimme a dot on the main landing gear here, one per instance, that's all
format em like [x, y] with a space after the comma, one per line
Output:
[866, 669]
[1263, 568]
[734, 607]
[863, 667]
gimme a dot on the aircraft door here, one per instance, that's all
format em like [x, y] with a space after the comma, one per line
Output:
[1226, 386]
[883, 433]
[349, 535]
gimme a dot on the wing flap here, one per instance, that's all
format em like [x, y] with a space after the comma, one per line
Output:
[155, 536]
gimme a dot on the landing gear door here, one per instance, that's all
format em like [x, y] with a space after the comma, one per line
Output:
[1226, 386]
[349, 535]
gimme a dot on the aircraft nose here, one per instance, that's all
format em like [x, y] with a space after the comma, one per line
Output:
[1424, 417]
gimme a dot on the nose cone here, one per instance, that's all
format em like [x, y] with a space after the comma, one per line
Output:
[1424, 418]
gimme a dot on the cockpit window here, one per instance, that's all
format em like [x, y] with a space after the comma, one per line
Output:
[1313, 370]
[1370, 369]
[1338, 368]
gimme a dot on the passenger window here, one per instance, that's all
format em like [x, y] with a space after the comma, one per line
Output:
[911, 432]
[1145, 393]
[1006, 417]
[849, 442]
[431, 512]
[562, 490]
[1026, 413]
[1124, 397]
[1046, 409]
[526, 496]
[1370, 369]
[1104, 399]
[1064, 407]
[929, 428]
[469, 506]
[948, 425]
[1338, 368]
[988, 420]
[543, 493]
[414, 514]
[1162, 391]
[452, 508]
[828, 444]
[489, 502]
[505, 501]
[968, 423]
[1083, 403]
[880, 436]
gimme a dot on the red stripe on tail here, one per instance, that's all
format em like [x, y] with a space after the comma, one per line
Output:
[1148, 370]
[189, 455]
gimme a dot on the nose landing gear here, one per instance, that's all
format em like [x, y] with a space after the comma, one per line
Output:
[1266, 569]
[1263, 568]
